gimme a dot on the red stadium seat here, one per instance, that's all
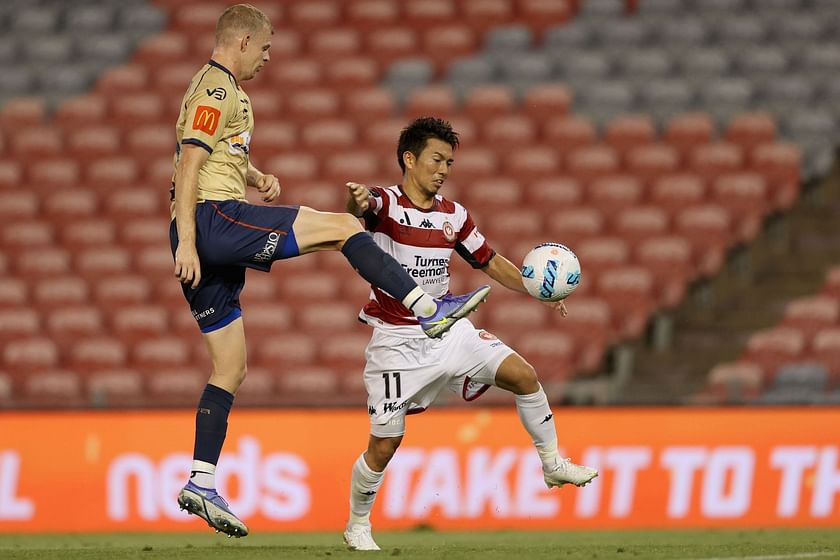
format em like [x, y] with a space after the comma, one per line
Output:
[630, 294]
[346, 73]
[636, 224]
[102, 260]
[603, 253]
[780, 165]
[713, 160]
[629, 131]
[743, 194]
[306, 105]
[430, 12]
[541, 14]
[592, 162]
[18, 205]
[325, 44]
[447, 41]
[97, 353]
[825, 349]
[344, 351]
[547, 101]
[90, 142]
[475, 163]
[676, 192]
[318, 318]
[71, 203]
[13, 291]
[669, 258]
[54, 173]
[293, 166]
[750, 130]
[574, 225]
[832, 282]
[812, 314]
[501, 193]
[367, 15]
[115, 387]
[149, 141]
[53, 388]
[688, 131]
[323, 137]
[312, 382]
[487, 13]
[160, 352]
[181, 386]
[122, 289]
[34, 143]
[268, 318]
[529, 164]
[430, 100]
[552, 353]
[22, 112]
[295, 75]
[568, 133]
[174, 79]
[508, 131]
[258, 388]
[60, 290]
[47, 261]
[369, 104]
[154, 259]
[735, 382]
[773, 348]
[113, 172]
[74, 322]
[136, 321]
[28, 354]
[515, 223]
[359, 165]
[11, 174]
[486, 101]
[27, 233]
[18, 321]
[555, 192]
[611, 193]
[313, 14]
[169, 46]
[515, 315]
[127, 78]
[709, 230]
[288, 349]
[391, 43]
[138, 109]
[81, 111]
[652, 161]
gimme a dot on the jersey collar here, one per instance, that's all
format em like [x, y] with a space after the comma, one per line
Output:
[223, 69]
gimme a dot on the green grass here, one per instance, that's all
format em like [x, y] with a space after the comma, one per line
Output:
[696, 544]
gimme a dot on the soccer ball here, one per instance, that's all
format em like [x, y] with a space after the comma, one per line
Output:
[550, 272]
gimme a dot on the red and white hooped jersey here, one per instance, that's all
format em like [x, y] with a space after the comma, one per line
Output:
[422, 241]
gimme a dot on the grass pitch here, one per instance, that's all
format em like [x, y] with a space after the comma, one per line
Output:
[424, 544]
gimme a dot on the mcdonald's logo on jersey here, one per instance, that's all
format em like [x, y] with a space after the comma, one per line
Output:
[206, 119]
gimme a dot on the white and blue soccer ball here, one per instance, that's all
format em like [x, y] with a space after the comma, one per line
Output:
[550, 272]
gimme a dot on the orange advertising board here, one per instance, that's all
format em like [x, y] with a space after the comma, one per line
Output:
[457, 469]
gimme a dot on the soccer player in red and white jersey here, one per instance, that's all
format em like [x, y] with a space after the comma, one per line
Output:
[406, 370]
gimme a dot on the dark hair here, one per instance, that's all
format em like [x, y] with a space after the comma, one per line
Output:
[413, 137]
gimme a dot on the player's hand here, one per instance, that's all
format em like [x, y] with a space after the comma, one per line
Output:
[558, 306]
[361, 195]
[187, 265]
[269, 186]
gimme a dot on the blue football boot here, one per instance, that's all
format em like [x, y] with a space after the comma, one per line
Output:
[208, 505]
[450, 309]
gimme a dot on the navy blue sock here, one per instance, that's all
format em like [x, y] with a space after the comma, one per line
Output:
[211, 423]
[376, 266]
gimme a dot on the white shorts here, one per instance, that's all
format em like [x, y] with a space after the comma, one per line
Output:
[403, 373]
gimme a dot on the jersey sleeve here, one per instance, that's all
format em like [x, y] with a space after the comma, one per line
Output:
[378, 207]
[472, 246]
[208, 110]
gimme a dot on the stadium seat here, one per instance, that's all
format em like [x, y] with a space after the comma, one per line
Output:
[650, 162]
[678, 191]
[611, 193]
[388, 44]
[92, 141]
[13, 291]
[528, 164]
[775, 347]
[123, 79]
[780, 164]
[17, 204]
[286, 350]
[27, 233]
[630, 131]
[546, 101]
[812, 314]
[73, 322]
[80, 111]
[573, 225]
[99, 352]
[47, 261]
[635, 224]
[743, 194]
[102, 260]
[57, 388]
[344, 351]
[430, 100]
[350, 73]
[603, 253]
[58, 291]
[115, 387]
[669, 258]
[160, 352]
[735, 382]
[750, 130]
[18, 321]
[713, 160]
[309, 383]
[508, 131]
[554, 192]
[710, 231]
[367, 15]
[447, 41]
[326, 136]
[552, 353]
[688, 131]
[484, 102]
[137, 321]
[593, 162]
[179, 386]
[630, 294]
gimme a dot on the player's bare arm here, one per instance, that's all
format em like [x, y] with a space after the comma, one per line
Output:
[187, 265]
[507, 274]
[266, 184]
[358, 199]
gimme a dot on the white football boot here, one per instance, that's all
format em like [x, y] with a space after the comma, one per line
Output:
[358, 537]
[566, 472]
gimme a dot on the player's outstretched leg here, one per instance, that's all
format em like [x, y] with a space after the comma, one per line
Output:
[450, 309]
[208, 505]
[566, 472]
[358, 537]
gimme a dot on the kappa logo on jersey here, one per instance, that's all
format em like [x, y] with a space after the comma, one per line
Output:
[206, 119]
[239, 143]
[217, 93]
[448, 231]
[426, 223]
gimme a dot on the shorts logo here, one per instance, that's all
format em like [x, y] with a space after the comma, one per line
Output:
[270, 247]
[199, 315]
[486, 335]
[206, 119]
[448, 231]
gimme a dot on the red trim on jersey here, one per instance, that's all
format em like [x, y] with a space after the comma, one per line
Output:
[411, 235]
[243, 224]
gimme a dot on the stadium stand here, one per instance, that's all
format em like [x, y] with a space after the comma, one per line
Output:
[651, 142]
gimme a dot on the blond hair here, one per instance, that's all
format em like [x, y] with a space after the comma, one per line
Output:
[241, 18]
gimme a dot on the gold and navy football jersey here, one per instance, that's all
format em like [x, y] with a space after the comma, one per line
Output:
[216, 115]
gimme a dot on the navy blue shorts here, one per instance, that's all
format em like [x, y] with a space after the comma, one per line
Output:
[231, 236]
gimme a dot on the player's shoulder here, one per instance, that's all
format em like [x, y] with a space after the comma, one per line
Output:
[449, 206]
[214, 81]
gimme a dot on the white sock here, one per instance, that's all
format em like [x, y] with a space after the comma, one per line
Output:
[420, 303]
[203, 474]
[538, 420]
[364, 484]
